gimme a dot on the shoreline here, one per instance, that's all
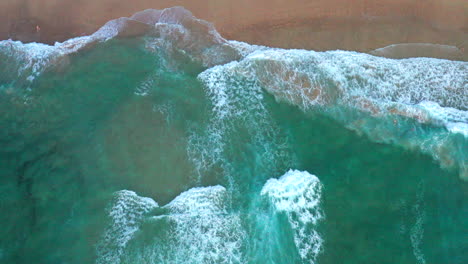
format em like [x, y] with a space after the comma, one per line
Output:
[363, 25]
[354, 34]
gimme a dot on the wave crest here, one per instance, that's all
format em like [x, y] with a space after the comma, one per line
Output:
[416, 103]
[298, 195]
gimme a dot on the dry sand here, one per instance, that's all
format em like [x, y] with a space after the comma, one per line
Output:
[361, 25]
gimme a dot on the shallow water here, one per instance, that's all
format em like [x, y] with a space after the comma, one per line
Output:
[133, 150]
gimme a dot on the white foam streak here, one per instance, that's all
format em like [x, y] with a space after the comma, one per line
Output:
[417, 230]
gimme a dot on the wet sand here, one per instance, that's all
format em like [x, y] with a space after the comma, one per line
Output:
[361, 25]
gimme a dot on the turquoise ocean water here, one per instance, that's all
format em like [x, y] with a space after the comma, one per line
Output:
[155, 140]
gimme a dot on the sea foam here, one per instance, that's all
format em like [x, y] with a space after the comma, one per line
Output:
[236, 103]
[298, 195]
[175, 30]
[418, 103]
[196, 227]
[205, 231]
[125, 215]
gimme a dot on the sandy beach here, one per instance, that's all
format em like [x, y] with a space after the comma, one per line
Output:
[361, 25]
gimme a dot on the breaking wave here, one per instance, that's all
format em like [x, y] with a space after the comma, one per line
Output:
[298, 195]
[199, 225]
[416, 103]
[126, 214]
[196, 227]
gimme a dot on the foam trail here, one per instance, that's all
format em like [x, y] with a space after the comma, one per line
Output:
[298, 194]
[417, 230]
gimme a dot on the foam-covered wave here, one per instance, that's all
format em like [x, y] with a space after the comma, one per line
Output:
[175, 30]
[196, 227]
[416, 103]
[204, 231]
[298, 195]
[199, 225]
[238, 111]
[126, 213]
[369, 83]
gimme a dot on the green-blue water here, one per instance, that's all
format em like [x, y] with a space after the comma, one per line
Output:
[178, 146]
